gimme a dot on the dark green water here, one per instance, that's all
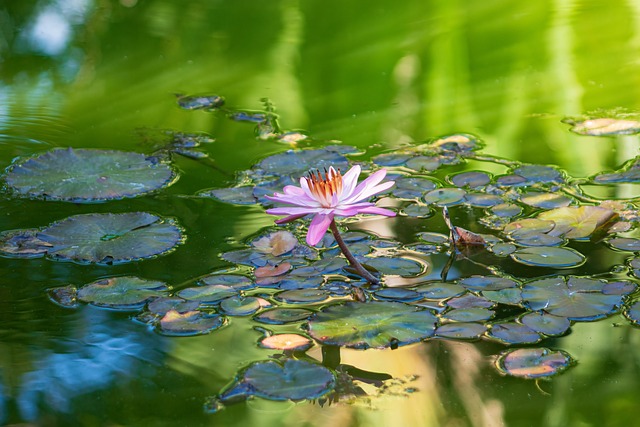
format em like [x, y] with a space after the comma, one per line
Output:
[375, 75]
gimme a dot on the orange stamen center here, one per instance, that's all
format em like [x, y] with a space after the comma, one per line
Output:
[324, 188]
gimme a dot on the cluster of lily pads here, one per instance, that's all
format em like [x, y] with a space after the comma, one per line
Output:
[530, 218]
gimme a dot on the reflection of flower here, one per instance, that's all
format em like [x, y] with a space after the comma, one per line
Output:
[330, 195]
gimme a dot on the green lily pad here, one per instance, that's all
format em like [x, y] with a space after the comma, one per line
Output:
[577, 222]
[545, 200]
[397, 266]
[475, 314]
[481, 200]
[121, 293]
[630, 172]
[371, 325]
[200, 102]
[445, 196]
[533, 362]
[461, 330]
[398, 294]
[469, 301]
[506, 210]
[302, 296]
[87, 175]
[439, 290]
[470, 179]
[551, 257]
[234, 195]
[291, 380]
[510, 296]
[576, 298]
[605, 126]
[281, 316]
[513, 333]
[110, 238]
[163, 305]
[411, 187]
[487, 283]
[546, 323]
[633, 313]
[23, 244]
[240, 306]
[209, 294]
[190, 323]
[625, 244]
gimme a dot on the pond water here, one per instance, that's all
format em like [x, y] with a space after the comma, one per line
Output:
[532, 106]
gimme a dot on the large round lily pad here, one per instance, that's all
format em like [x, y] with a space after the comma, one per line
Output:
[551, 257]
[533, 362]
[110, 238]
[371, 325]
[88, 175]
[576, 298]
[123, 293]
[293, 380]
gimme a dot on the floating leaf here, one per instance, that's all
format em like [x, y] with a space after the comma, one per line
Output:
[110, 238]
[23, 244]
[240, 306]
[468, 314]
[457, 143]
[298, 296]
[208, 294]
[605, 127]
[539, 173]
[551, 257]
[417, 211]
[411, 187]
[633, 313]
[577, 222]
[630, 172]
[371, 325]
[469, 301]
[423, 163]
[533, 362]
[487, 283]
[289, 342]
[391, 159]
[546, 323]
[445, 196]
[293, 380]
[461, 330]
[480, 200]
[503, 249]
[280, 316]
[436, 238]
[163, 305]
[398, 294]
[234, 281]
[298, 162]
[398, 266]
[526, 226]
[545, 200]
[190, 323]
[87, 175]
[200, 102]
[272, 270]
[122, 293]
[514, 333]
[470, 179]
[506, 210]
[535, 239]
[511, 296]
[277, 243]
[625, 244]
[235, 195]
[440, 290]
[575, 298]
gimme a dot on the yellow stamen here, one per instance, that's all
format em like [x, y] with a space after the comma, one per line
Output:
[324, 188]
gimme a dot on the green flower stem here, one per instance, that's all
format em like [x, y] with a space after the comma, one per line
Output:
[352, 260]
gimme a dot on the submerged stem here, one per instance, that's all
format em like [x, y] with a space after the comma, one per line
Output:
[352, 260]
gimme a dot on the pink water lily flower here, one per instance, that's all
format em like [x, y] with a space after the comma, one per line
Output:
[328, 196]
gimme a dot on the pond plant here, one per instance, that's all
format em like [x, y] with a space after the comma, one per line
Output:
[495, 257]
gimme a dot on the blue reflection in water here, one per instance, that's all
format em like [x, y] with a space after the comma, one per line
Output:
[109, 351]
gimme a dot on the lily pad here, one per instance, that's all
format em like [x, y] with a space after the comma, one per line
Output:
[633, 313]
[122, 293]
[470, 179]
[240, 306]
[487, 283]
[461, 330]
[551, 257]
[577, 222]
[299, 162]
[234, 195]
[445, 196]
[605, 127]
[111, 238]
[189, 323]
[475, 314]
[208, 294]
[630, 172]
[625, 244]
[23, 244]
[439, 290]
[398, 294]
[398, 266]
[200, 102]
[576, 298]
[546, 323]
[411, 187]
[288, 342]
[371, 325]
[281, 316]
[87, 175]
[292, 380]
[545, 200]
[302, 296]
[533, 362]
[514, 333]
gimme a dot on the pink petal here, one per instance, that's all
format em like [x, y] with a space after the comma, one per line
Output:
[349, 181]
[319, 226]
[292, 210]
[305, 187]
[295, 200]
[377, 211]
[368, 191]
[292, 190]
[289, 218]
[371, 181]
